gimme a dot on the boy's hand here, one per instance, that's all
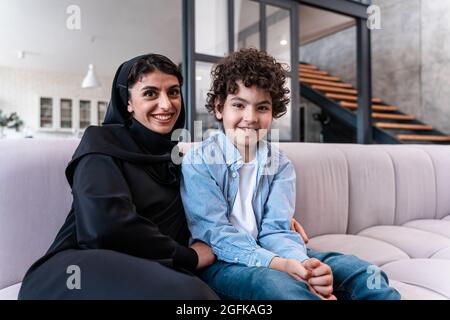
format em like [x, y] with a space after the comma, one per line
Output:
[291, 266]
[205, 254]
[321, 279]
[297, 227]
[298, 271]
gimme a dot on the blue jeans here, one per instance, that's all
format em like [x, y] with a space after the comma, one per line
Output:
[354, 279]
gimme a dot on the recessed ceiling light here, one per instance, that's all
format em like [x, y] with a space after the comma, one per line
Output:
[198, 78]
[283, 42]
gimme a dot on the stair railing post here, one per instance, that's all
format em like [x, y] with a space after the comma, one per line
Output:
[364, 78]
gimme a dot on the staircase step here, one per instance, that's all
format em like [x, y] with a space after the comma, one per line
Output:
[307, 66]
[352, 105]
[413, 137]
[392, 116]
[314, 72]
[326, 83]
[347, 97]
[334, 90]
[317, 77]
[403, 126]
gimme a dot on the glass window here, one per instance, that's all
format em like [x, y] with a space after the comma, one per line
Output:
[279, 46]
[202, 85]
[246, 24]
[46, 112]
[85, 114]
[101, 111]
[284, 124]
[278, 34]
[211, 27]
[66, 113]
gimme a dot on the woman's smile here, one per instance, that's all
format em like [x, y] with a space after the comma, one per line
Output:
[163, 117]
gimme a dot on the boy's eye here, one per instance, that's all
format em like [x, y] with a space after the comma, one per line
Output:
[238, 105]
[263, 108]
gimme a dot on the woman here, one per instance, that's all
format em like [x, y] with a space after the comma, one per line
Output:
[126, 233]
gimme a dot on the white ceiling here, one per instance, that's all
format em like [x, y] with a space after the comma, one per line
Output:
[121, 29]
[111, 31]
[316, 23]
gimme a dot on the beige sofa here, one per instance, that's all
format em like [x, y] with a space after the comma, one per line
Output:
[389, 205]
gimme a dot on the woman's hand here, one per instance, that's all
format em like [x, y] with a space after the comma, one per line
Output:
[297, 227]
[321, 279]
[205, 254]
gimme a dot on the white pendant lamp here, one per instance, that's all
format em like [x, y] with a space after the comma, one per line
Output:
[91, 80]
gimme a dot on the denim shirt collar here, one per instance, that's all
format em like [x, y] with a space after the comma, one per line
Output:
[232, 155]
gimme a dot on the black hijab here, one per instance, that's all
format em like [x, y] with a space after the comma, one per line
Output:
[123, 137]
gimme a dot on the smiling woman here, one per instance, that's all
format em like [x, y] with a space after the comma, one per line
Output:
[154, 99]
[127, 232]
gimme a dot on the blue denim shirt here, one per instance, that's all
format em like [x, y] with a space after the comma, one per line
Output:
[209, 186]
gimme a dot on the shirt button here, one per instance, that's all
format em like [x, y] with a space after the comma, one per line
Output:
[234, 174]
[236, 259]
[239, 162]
[258, 264]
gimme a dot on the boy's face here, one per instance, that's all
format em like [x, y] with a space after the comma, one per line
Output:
[246, 115]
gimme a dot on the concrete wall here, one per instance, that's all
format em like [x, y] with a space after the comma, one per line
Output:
[411, 55]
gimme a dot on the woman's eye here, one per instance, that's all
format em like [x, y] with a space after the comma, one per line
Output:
[174, 93]
[238, 106]
[150, 93]
[263, 108]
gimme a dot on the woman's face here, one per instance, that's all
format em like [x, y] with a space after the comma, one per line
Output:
[155, 101]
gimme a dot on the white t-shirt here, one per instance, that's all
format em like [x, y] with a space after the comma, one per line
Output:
[242, 215]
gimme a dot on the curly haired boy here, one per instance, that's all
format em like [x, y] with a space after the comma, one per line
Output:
[243, 210]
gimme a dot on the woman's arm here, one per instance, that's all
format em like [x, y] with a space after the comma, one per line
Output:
[106, 216]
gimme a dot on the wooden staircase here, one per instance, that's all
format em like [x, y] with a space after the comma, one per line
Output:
[400, 127]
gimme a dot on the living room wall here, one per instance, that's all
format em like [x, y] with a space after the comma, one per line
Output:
[20, 90]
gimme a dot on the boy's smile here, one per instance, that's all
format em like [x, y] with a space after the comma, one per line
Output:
[246, 116]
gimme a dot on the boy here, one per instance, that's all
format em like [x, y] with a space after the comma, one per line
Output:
[238, 191]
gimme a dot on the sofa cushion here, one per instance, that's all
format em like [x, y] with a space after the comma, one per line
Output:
[432, 274]
[415, 190]
[441, 227]
[440, 157]
[442, 254]
[446, 218]
[371, 250]
[411, 292]
[371, 178]
[11, 292]
[416, 243]
[322, 187]
[35, 199]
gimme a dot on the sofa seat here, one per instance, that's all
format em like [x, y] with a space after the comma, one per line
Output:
[414, 242]
[411, 292]
[372, 250]
[441, 227]
[11, 292]
[388, 205]
[432, 274]
[442, 254]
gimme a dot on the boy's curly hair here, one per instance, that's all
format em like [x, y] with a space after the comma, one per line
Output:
[252, 67]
